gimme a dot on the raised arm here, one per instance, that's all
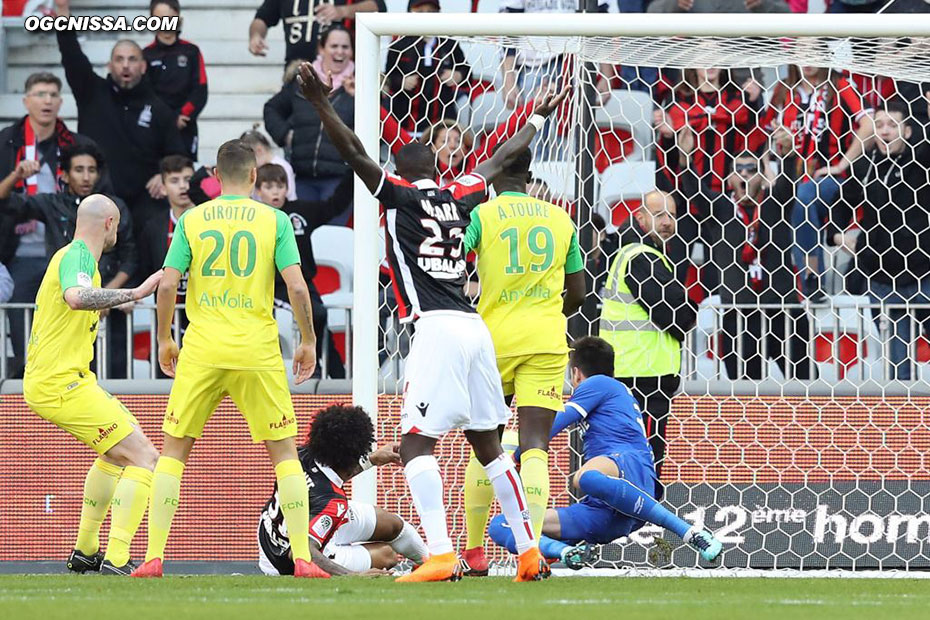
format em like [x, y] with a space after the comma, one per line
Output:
[316, 91]
[507, 151]
[78, 70]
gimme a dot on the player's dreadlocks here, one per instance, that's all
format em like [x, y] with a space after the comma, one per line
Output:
[339, 436]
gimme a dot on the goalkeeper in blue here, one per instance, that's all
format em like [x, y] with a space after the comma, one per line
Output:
[618, 475]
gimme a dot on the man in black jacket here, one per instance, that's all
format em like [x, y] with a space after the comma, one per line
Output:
[306, 216]
[751, 228]
[176, 71]
[295, 124]
[81, 167]
[642, 283]
[122, 114]
[892, 253]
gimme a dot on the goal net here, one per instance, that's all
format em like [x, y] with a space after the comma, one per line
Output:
[793, 149]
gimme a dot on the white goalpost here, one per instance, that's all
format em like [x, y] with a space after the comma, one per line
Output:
[744, 455]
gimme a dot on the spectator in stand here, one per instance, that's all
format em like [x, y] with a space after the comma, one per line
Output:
[292, 122]
[891, 249]
[824, 128]
[176, 172]
[721, 116]
[457, 150]
[424, 75]
[751, 229]
[719, 6]
[177, 73]
[303, 22]
[122, 114]
[30, 152]
[82, 168]
[265, 154]
[306, 216]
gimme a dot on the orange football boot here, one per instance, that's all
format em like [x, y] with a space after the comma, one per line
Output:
[444, 567]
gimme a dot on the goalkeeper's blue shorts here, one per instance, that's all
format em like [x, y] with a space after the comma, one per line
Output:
[594, 521]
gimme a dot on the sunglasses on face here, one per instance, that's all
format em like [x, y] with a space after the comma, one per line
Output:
[753, 168]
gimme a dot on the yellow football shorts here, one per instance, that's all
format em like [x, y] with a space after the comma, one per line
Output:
[85, 410]
[535, 380]
[262, 396]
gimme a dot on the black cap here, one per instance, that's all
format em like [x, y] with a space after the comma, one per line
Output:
[413, 3]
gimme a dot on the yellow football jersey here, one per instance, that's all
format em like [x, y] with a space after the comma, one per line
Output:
[525, 247]
[231, 246]
[61, 345]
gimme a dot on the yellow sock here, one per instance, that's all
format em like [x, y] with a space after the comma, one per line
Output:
[166, 492]
[295, 503]
[479, 493]
[534, 471]
[99, 486]
[129, 502]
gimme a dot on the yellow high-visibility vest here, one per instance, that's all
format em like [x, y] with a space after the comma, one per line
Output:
[640, 348]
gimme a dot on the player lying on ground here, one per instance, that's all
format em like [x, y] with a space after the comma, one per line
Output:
[527, 255]
[231, 247]
[618, 474]
[452, 379]
[59, 386]
[345, 536]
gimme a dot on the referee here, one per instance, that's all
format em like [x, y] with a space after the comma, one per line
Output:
[646, 314]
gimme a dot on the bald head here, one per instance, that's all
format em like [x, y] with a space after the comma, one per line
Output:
[127, 65]
[98, 218]
[656, 215]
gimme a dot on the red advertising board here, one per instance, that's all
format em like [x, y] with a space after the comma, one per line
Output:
[712, 440]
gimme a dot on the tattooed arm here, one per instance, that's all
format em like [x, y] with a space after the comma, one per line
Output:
[299, 295]
[90, 298]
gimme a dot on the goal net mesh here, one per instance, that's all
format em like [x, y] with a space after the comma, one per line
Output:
[799, 432]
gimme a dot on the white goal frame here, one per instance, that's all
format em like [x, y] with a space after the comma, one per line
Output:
[370, 27]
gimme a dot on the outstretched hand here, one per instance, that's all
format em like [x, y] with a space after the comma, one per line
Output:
[314, 89]
[551, 102]
[386, 455]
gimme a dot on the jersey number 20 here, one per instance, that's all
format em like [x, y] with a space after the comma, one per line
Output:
[235, 253]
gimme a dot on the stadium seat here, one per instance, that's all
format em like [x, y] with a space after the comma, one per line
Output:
[558, 175]
[623, 185]
[333, 248]
[853, 326]
[487, 112]
[630, 110]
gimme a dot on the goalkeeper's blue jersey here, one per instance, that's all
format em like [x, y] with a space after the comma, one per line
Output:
[612, 422]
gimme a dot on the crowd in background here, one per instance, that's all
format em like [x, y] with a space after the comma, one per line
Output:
[763, 175]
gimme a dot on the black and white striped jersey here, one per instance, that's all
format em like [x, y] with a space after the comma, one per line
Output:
[425, 226]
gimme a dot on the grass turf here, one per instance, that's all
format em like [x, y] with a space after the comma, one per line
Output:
[46, 597]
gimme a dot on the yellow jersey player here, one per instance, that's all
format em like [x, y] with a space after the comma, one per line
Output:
[231, 247]
[59, 386]
[527, 255]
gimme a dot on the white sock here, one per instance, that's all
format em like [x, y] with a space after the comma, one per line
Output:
[509, 491]
[410, 545]
[426, 487]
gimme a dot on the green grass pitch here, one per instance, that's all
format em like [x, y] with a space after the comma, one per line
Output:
[46, 597]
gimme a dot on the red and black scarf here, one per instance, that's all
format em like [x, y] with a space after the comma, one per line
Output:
[750, 253]
[29, 150]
